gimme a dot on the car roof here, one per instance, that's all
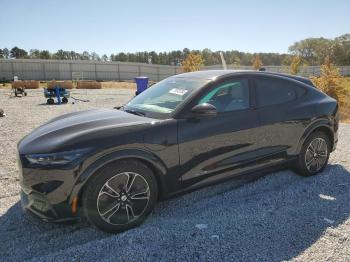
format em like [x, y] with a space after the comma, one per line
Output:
[210, 74]
[214, 74]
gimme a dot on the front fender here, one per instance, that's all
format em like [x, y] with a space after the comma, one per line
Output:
[141, 154]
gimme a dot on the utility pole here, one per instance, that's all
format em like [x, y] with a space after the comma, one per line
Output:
[224, 66]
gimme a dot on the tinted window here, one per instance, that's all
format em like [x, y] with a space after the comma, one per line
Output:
[228, 96]
[272, 91]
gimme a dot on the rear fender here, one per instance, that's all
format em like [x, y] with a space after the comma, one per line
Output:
[321, 123]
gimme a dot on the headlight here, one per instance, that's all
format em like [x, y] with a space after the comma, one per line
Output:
[60, 158]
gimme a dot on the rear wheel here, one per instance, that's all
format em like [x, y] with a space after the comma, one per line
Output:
[120, 196]
[314, 155]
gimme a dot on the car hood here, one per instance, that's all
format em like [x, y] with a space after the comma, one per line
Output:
[71, 128]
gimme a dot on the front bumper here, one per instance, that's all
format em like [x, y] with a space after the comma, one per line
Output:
[45, 192]
[37, 205]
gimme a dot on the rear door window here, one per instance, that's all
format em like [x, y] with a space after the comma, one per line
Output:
[272, 91]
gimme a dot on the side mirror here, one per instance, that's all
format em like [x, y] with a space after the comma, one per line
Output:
[204, 110]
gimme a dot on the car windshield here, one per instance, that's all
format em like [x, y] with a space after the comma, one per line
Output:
[161, 99]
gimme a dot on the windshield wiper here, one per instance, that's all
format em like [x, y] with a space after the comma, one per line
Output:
[138, 113]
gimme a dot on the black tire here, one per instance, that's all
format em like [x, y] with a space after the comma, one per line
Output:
[64, 100]
[314, 154]
[111, 205]
[25, 93]
[50, 101]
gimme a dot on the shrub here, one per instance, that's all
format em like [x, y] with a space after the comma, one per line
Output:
[257, 63]
[329, 82]
[295, 65]
[192, 63]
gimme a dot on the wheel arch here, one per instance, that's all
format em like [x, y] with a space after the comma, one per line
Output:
[147, 158]
[324, 126]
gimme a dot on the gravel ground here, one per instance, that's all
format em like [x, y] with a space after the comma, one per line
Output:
[278, 217]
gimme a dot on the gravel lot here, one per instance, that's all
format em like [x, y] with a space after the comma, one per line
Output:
[278, 217]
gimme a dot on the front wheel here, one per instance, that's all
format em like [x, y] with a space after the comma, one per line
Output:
[314, 155]
[50, 101]
[120, 196]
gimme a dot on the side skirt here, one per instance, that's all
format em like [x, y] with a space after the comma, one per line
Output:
[248, 176]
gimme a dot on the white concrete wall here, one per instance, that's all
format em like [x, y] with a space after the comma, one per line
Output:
[33, 69]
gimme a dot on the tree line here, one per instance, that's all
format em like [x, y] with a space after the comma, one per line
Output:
[312, 51]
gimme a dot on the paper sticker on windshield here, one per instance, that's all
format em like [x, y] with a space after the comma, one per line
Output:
[178, 91]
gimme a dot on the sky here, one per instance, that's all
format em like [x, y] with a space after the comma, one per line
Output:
[107, 26]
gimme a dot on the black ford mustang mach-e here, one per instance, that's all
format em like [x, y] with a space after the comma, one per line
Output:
[187, 131]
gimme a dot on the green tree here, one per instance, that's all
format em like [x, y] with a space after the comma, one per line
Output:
[60, 54]
[207, 55]
[45, 54]
[286, 60]
[18, 53]
[85, 55]
[122, 57]
[341, 50]
[154, 57]
[185, 53]
[6, 53]
[312, 50]
[95, 56]
[34, 53]
[104, 58]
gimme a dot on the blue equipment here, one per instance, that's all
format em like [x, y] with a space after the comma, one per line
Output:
[57, 92]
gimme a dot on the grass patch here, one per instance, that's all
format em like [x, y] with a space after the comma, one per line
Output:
[4, 86]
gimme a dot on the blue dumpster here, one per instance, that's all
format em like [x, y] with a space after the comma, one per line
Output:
[141, 83]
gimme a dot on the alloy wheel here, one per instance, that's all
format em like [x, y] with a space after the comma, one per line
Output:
[123, 198]
[316, 155]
